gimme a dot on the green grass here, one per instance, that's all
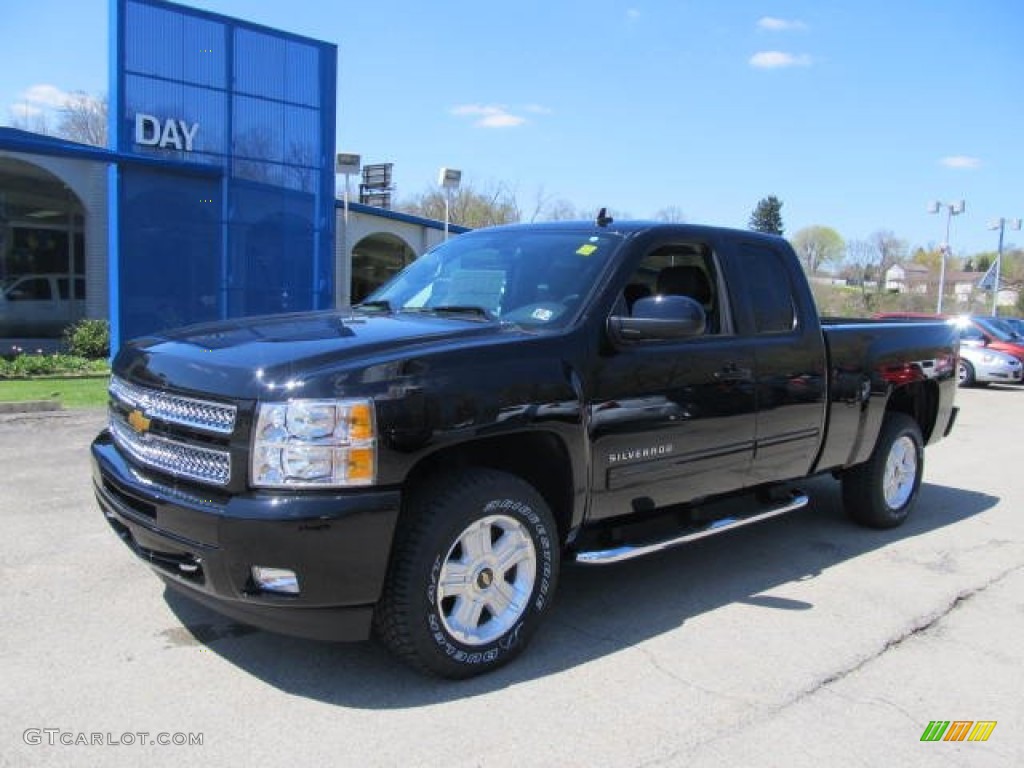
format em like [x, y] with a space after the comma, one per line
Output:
[73, 392]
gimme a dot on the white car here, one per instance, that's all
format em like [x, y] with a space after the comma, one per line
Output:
[980, 366]
[40, 305]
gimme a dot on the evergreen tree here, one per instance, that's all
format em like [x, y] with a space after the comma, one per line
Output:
[767, 216]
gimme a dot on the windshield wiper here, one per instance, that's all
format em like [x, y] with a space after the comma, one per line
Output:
[375, 304]
[453, 309]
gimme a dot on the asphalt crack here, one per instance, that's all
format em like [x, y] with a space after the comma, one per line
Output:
[922, 627]
[927, 624]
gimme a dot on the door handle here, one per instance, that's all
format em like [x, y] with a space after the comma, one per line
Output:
[732, 372]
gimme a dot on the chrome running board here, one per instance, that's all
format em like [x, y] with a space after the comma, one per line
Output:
[629, 551]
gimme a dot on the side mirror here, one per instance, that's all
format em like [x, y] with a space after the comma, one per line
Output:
[659, 318]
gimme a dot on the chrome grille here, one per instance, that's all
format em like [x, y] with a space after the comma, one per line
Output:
[207, 465]
[176, 409]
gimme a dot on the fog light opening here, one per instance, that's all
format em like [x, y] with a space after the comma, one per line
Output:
[279, 580]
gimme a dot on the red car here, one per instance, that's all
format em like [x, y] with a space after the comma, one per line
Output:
[989, 332]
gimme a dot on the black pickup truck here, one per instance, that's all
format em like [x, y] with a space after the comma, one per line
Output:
[518, 397]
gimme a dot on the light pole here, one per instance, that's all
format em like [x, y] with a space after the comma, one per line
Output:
[449, 179]
[952, 209]
[347, 165]
[1000, 224]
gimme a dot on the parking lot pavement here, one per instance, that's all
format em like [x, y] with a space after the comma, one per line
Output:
[801, 641]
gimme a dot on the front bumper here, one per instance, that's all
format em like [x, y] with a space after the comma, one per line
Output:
[204, 544]
[998, 374]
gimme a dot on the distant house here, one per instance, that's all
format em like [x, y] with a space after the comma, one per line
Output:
[907, 278]
[963, 285]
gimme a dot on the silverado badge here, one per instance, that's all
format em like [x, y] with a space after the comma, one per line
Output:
[138, 421]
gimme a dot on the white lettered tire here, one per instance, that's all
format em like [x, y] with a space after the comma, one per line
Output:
[473, 572]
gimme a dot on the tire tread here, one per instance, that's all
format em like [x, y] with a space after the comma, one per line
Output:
[861, 485]
[396, 616]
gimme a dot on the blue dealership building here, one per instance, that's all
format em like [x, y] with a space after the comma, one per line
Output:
[214, 199]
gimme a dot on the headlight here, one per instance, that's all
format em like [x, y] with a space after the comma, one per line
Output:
[314, 443]
[990, 358]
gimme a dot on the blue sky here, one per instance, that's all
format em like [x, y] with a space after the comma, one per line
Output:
[855, 115]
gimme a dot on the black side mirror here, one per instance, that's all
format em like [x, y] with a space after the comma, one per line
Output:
[659, 318]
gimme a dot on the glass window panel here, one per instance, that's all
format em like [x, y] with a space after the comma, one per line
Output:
[260, 64]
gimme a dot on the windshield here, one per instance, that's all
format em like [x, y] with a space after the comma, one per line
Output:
[1016, 325]
[996, 328]
[529, 277]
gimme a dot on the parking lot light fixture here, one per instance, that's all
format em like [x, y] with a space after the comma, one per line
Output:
[449, 179]
[952, 209]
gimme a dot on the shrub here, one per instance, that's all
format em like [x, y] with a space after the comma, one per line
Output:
[89, 339]
[50, 365]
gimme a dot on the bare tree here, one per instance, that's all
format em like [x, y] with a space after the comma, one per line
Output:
[672, 213]
[541, 201]
[561, 210]
[35, 122]
[470, 207]
[83, 118]
[890, 251]
[862, 256]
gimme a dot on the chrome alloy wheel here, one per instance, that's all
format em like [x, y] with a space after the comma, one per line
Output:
[901, 469]
[486, 580]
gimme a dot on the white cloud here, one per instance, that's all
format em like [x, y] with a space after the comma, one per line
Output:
[775, 24]
[36, 100]
[43, 95]
[501, 120]
[489, 115]
[633, 14]
[23, 111]
[779, 59]
[961, 161]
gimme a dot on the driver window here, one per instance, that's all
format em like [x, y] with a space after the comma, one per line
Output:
[678, 270]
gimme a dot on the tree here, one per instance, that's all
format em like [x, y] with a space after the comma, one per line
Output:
[673, 214]
[872, 258]
[891, 251]
[561, 210]
[469, 207]
[816, 246]
[83, 118]
[36, 123]
[930, 258]
[863, 260]
[767, 216]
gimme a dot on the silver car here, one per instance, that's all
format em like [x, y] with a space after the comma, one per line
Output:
[981, 366]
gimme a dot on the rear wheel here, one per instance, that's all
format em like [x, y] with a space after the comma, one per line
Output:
[472, 574]
[881, 492]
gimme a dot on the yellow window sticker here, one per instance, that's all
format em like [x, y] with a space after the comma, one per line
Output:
[586, 250]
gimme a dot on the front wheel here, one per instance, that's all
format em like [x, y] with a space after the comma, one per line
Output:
[881, 492]
[472, 574]
[965, 374]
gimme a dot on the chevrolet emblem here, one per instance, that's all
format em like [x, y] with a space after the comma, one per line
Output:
[138, 421]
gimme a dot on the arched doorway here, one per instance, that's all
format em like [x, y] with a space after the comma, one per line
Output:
[42, 252]
[375, 259]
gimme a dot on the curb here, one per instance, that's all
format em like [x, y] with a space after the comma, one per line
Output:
[30, 406]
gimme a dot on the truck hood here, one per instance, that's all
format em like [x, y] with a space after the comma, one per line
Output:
[285, 355]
